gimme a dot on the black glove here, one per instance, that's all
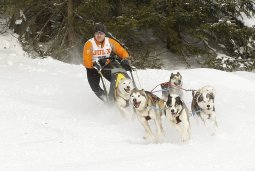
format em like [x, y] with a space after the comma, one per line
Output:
[125, 64]
[97, 66]
[102, 61]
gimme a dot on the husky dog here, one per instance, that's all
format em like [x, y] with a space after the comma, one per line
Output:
[122, 95]
[148, 106]
[203, 106]
[174, 86]
[177, 113]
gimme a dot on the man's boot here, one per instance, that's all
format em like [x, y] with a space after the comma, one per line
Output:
[101, 95]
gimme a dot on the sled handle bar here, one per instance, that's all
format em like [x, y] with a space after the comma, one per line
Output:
[112, 58]
[115, 58]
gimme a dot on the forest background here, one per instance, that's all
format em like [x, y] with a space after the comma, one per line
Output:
[210, 33]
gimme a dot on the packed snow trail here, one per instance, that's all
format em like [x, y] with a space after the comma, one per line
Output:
[51, 120]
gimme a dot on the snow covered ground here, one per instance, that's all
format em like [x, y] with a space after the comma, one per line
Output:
[50, 121]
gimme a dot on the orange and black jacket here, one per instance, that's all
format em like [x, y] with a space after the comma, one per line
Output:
[88, 54]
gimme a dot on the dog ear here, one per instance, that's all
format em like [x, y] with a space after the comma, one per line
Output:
[211, 95]
[169, 97]
[142, 91]
[179, 75]
[169, 100]
[178, 100]
[193, 93]
[172, 76]
[134, 89]
[200, 98]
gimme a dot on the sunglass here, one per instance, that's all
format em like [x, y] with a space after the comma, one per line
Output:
[99, 33]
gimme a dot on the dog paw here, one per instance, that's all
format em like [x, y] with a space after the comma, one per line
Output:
[185, 138]
[149, 137]
[146, 136]
[161, 135]
[213, 131]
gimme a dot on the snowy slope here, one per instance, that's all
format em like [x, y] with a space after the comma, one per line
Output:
[51, 120]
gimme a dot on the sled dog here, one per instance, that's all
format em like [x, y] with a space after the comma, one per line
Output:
[174, 86]
[177, 113]
[122, 96]
[203, 106]
[148, 106]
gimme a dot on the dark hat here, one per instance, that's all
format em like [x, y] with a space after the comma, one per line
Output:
[99, 27]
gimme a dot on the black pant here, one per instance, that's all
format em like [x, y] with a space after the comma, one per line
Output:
[94, 79]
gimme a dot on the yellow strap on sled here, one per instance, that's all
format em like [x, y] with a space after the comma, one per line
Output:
[120, 76]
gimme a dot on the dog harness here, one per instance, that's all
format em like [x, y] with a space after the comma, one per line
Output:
[178, 120]
[147, 118]
[154, 99]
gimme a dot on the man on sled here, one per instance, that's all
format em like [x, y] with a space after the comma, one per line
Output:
[97, 59]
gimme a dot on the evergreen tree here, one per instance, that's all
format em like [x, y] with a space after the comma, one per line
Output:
[203, 27]
[186, 27]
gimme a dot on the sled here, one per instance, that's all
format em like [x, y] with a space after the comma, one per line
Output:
[117, 73]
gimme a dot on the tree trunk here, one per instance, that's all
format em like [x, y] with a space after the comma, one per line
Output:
[70, 19]
[117, 9]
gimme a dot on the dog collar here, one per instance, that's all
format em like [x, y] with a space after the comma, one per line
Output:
[147, 117]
